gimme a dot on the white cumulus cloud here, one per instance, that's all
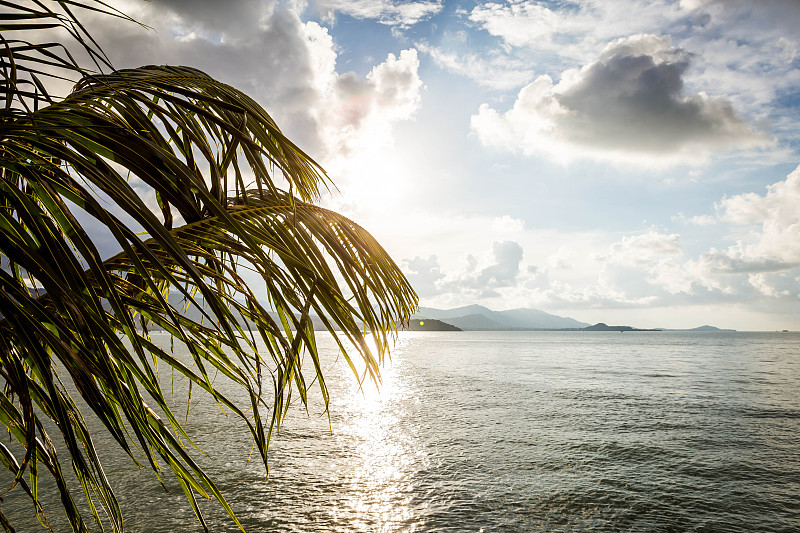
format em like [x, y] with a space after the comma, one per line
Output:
[773, 242]
[359, 112]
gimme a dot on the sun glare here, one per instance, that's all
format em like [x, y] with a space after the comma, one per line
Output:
[372, 182]
[384, 452]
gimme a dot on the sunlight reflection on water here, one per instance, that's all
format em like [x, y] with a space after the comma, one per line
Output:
[385, 451]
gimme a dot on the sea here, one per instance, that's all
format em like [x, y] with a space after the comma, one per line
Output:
[506, 432]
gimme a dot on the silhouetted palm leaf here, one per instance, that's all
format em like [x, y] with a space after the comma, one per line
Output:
[233, 193]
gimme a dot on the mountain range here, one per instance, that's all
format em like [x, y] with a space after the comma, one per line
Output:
[472, 318]
[479, 318]
[468, 318]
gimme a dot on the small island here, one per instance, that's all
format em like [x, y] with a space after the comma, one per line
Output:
[600, 326]
[429, 324]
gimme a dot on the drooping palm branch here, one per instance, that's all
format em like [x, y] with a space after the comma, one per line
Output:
[234, 196]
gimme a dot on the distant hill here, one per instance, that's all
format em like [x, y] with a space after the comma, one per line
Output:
[605, 327]
[479, 318]
[703, 328]
[708, 328]
[477, 322]
[475, 318]
[430, 324]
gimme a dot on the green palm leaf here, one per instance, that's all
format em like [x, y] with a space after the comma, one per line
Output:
[235, 196]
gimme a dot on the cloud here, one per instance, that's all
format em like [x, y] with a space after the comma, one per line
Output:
[697, 220]
[774, 286]
[564, 270]
[629, 105]
[577, 272]
[480, 279]
[519, 23]
[207, 16]
[762, 263]
[503, 272]
[287, 65]
[637, 271]
[748, 51]
[476, 279]
[389, 12]
[773, 240]
[752, 265]
[359, 112]
[576, 31]
[495, 71]
[777, 208]
[745, 51]
[423, 274]
[508, 224]
[644, 266]
[784, 14]
[397, 85]
[645, 247]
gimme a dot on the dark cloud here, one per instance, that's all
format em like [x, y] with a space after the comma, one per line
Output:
[635, 100]
[630, 102]
[270, 59]
[231, 16]
[273, 56]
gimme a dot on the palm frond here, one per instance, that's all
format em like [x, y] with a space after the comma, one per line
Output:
[234, 195]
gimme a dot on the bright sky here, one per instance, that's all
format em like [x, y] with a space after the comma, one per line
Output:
[625, 161]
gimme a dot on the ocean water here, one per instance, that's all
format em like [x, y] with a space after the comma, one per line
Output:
[512, 431]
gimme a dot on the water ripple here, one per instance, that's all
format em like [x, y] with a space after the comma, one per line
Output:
[518, 432]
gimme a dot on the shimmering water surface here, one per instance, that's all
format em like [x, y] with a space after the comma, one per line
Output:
[515, 431]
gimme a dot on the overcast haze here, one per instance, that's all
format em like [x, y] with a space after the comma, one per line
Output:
[619, 160]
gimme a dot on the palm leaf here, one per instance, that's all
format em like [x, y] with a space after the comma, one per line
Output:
[69, 313]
